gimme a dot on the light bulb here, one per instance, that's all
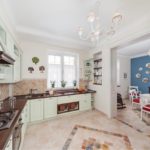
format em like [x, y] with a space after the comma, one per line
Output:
[80, 31]
[91, 17]
[117, 18]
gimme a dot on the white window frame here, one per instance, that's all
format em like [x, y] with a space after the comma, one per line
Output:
[76, 56]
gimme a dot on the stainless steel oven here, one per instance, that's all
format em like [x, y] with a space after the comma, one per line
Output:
[17, 135]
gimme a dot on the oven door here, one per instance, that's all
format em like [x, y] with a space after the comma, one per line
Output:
[17, 137]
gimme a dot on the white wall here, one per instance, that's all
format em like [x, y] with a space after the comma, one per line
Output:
[125, 67]
[105, 100]
[41, 50]
[103, 93]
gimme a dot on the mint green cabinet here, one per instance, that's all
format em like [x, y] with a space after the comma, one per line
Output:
[17, 65]
[50, 107]
[2, 35]
[9, 145]
[10, 46]
[85, 102]
[36, 110]
[26, 113]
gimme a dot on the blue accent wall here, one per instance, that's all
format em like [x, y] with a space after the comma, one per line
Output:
[135, 64]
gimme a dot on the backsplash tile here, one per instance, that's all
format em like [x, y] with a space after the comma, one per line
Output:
[24, 86]
[4, 91]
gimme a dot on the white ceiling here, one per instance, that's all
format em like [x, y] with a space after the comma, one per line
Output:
[58, 20]
[137, 49]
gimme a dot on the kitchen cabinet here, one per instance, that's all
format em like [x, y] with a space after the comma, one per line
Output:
[10, 46]
[50, 107]
[6, 73]
[9, 144]
[2, 35]
[36, 110]
[85, 102]
[9, 73]
[17, 65]
[67, 99]
[26, 113]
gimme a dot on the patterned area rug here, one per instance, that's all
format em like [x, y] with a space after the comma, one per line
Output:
[86, 138]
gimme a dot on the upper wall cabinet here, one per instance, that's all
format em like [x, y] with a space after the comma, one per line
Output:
[2, 35]
[17, 65]
[9, 73]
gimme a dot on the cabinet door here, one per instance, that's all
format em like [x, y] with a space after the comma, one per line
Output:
[9, 144]
[26, 113]
[36, 110]
[85, 102]
[50, 107]
[17, 70]
[6, 74]
[10, 46]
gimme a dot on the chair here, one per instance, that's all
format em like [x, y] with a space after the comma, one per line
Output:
[135, 98]
[131, 88]
[145, 104]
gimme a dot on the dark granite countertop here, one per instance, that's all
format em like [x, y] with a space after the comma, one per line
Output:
[5, 134]
[56, 94]
[21, 102]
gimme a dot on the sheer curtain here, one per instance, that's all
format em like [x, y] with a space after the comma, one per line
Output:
[54, 70]
[62, 67]
[69, 70]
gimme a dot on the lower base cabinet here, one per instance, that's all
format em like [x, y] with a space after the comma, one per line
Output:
[50, 107]
[36, 110]
[85, 102]
[9, 145]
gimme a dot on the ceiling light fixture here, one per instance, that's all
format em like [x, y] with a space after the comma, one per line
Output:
[95, 29]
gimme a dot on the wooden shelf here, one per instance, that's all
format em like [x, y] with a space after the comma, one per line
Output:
[97, 75]
[98, 68]
[97, 60]
[97, 84]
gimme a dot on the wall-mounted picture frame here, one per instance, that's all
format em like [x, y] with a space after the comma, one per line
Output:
[140, 68]
[145, 80]
[147, 65]
[138, 75]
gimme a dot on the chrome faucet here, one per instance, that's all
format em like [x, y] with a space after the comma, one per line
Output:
[33, 91]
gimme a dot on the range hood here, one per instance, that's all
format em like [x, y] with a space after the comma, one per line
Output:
[6, 59]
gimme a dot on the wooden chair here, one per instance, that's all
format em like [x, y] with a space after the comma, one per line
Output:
[145, 104]
[131, 88]
[135, 98]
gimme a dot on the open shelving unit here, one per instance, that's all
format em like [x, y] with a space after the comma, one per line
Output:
[97, 60]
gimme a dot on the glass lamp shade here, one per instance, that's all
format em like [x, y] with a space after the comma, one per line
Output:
[80, 31]
[91, 17]
[117, 18]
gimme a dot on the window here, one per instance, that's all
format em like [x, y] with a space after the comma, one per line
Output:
[62, 67]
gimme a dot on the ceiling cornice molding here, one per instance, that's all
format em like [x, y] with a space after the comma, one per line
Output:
[37, 35]
[139, 55]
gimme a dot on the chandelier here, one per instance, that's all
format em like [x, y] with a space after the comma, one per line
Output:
[95, 28]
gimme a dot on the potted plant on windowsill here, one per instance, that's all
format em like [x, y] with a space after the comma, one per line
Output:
[51, 92]
[63, 83]
[74, 83]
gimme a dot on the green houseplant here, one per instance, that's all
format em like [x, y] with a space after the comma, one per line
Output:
[74, 83]
[52, 84]
[63, 83]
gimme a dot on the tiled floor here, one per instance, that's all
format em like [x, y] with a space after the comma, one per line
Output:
[70, 132]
